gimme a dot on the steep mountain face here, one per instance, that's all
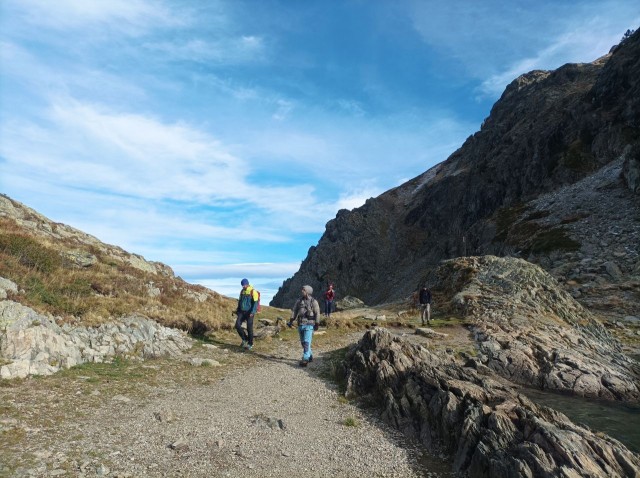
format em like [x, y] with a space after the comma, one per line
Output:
[549, 131]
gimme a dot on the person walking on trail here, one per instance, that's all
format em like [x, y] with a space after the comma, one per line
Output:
[425, 304]
[329, 295]
[247, 307]
[306, 312]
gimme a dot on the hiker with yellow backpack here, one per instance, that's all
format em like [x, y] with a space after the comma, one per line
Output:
[248, 305]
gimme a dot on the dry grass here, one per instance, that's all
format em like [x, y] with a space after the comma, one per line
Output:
[109, 288]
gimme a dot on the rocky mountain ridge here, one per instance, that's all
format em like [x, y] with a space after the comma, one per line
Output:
[571, 134]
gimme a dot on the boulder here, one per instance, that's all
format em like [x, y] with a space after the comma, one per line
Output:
[349, 302]
[7, 286]
[631, 168]
[81, 258]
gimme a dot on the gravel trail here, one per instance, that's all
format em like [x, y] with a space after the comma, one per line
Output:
[269, 420]
[257, 415]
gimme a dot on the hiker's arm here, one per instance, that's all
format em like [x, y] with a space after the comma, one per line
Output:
[293, 314]
[316, 315]
[254, 299]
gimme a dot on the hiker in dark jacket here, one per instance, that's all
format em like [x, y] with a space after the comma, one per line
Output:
[246, 310]
[306, 312]
[329, 295]
[425, 304]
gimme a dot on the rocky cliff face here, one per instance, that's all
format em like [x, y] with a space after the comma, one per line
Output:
[549, 131]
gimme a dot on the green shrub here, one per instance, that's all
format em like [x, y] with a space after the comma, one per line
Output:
[351, 422]
[38, 292]
[30, 253]
[78, 288]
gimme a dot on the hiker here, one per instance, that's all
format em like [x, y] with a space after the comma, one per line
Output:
[329, 295]
[247, 307]
[425, 304]
[306, 312]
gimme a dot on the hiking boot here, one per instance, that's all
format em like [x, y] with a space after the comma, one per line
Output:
[311, 358]
[249, 347]
[244, 344]
[304, 363]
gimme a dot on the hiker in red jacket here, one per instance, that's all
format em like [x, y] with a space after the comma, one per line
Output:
[329, 295]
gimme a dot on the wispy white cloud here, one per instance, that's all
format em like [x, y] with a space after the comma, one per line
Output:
[127, 16]
[227, 50]
[221, 271]
[230, 286]
[125, 153]
[496, 41]
[356, 198]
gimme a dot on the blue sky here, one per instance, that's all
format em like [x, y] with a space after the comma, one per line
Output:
[219, 137]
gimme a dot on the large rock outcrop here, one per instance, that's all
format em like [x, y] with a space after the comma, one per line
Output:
[487, 429]
[548, 131]
[33, 344]
[532, 332]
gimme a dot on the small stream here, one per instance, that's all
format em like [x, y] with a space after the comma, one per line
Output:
[620, 421]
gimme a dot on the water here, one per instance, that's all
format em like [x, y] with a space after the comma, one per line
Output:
[620, 421]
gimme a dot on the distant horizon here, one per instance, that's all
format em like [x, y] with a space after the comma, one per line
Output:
[219, 138]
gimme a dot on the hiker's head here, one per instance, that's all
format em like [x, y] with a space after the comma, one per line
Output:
[244, 282]
[307, 290]
[330, 286]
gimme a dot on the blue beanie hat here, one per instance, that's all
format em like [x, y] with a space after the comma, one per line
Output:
[244, 282]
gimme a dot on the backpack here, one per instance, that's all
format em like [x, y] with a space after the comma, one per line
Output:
[259, 308]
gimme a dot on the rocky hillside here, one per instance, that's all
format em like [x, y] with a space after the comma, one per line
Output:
[552, 176]
[62, 272]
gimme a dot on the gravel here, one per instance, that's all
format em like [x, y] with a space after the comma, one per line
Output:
[267, 417]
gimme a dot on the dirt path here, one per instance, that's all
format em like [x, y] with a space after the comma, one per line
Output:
[257, 414]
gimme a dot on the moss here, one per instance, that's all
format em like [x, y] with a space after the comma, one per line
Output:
[553, 240]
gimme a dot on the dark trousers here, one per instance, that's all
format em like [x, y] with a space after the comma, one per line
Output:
[248, 335]
[328, 304]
